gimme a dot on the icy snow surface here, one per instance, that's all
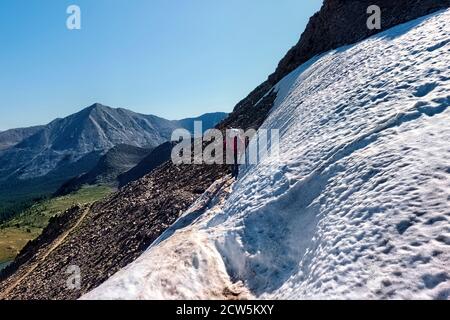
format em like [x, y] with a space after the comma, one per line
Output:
[359, 205]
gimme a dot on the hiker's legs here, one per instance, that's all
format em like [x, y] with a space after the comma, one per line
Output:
[235, 166]
[235, 172]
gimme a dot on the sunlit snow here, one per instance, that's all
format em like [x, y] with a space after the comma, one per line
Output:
[359, 205]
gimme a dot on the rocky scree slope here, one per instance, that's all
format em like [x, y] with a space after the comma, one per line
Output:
[154, 159]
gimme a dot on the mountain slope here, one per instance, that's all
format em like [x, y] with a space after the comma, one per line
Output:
[29, 224]
[10, 138]
[154, 159]
[124, 163]
[18, 194]
[163, 152]
[96, 128]
[67, 148]
[355, 207]
[115, 162]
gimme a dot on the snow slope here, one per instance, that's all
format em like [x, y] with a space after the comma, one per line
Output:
[358, 206]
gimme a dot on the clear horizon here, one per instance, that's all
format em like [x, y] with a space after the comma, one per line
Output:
[168, 58]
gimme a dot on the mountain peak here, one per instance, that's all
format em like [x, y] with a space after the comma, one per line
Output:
[97, 106]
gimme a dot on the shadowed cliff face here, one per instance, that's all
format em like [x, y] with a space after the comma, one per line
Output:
[115, 231]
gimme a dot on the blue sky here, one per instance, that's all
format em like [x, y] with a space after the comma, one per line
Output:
[172, 58]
